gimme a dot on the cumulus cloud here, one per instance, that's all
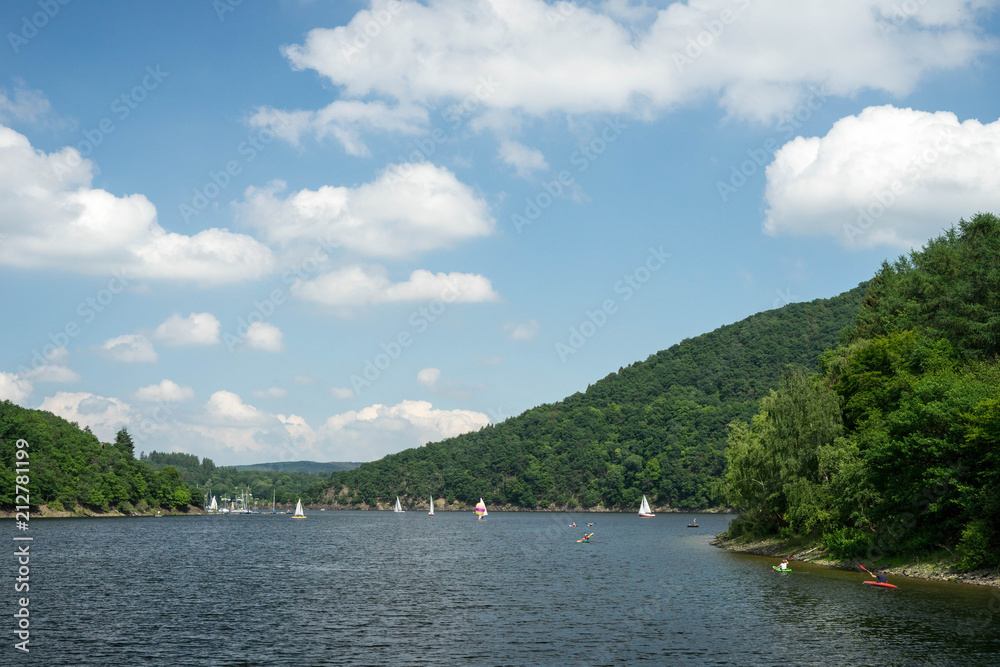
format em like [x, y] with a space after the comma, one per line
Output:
[265, 336]
[377, 430]
[521, 330]
[225, 407]
[525, 160]
[344, 121]
[408, 209]
[14, 389]
[888, 176]
[130, 348]
[359, 285]
[105, 416]
[167, 391]
[195, 329]
[54, 219]
[531, 57]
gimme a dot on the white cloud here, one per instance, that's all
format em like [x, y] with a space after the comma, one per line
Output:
[755, 59]
[271, 393]
[54, 219]
[51, 373]
[887, 176]
[377, 430]
[167, 391]
[195, 329]
[525, 160]
[408, 209]
[13, 388]
[428, 377]
[105, 416]
[342, 392]
[344, 120]
[265, 336]
[25, 105]
[225, 407]
[368, 285]
[521, 330]
[130, 348]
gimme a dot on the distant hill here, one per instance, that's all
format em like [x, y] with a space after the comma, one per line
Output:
[312, 467]
[656, 428]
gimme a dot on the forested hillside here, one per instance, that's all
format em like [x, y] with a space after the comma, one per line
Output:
[893, 450]
[70, 467]
[657, 427]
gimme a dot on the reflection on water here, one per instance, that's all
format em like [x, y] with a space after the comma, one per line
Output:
[384, 588]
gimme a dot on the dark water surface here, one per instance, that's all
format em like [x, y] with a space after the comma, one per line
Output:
[378, 588]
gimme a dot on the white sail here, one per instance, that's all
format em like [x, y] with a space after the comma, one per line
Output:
[431, 513]
[214, 507]
[399, 508]
[299, 514]
[644, 510]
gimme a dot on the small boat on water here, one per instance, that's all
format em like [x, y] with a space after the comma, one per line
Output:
[399, 508]
[693, 524]
[644, 511]
[880, 583]
[777, 568]
[299, 514]
[431, 513]
[481, 510]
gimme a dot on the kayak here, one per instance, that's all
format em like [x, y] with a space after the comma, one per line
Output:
[778, 569]
[879, 583]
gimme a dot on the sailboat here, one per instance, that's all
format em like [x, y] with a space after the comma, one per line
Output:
[431, 513]
[214, 507]
[398, 508]
[272, 503]
[299, 514]
[481, 510]
[644, 511]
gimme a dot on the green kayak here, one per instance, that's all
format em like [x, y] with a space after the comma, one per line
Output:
[778, 569]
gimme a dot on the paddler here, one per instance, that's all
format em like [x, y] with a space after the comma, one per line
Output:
[784, 564]
[880, 577]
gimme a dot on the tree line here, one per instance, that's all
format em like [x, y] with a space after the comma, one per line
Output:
[892, 449]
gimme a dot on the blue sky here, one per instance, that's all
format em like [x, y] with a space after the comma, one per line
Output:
[331, 231]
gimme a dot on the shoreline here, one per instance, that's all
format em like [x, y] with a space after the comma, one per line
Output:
[813, 552]
[80, 512]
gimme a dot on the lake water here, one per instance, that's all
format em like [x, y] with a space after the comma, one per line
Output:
[378, 588]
